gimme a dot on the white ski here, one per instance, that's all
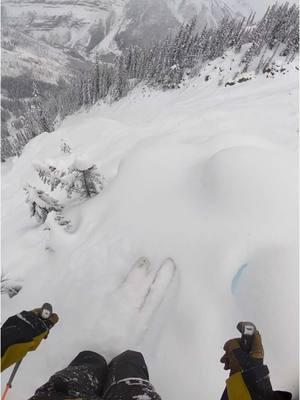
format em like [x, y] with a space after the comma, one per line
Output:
[141, 266]
[159, 286]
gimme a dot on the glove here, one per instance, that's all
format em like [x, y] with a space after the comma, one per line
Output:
[236, 360]
[248, 374]
[22, 333]
[49, 322]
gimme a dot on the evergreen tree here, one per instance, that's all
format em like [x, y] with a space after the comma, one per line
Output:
[91, 181]
[65, 148]
[82, 178]
[96, 81]
[30, 125]
[40, 203]
[48, 174]
[79, 176]
[39, 110]
[120, 82]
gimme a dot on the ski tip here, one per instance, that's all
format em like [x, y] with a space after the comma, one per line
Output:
[142, 262]
[169, 261]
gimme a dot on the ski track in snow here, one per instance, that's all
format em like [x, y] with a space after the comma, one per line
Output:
[206, 175]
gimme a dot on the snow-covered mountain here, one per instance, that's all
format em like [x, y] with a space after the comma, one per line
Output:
[23, 55]
[206, 174]
[209, 12]
[74, 24]
[145, 21]
[107, 25]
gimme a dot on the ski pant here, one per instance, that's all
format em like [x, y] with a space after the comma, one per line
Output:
[89, 377]
[128, 378]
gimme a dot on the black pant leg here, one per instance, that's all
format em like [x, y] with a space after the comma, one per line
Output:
[91, 358]
[129, 364]
[96, 367]
[128, 378]
[84, 376]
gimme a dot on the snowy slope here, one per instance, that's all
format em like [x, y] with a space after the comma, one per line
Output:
[206, 174]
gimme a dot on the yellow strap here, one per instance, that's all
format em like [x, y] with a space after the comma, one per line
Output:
[236, 388]
[17, 351]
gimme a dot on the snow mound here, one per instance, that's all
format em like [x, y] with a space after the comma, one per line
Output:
[243, 180]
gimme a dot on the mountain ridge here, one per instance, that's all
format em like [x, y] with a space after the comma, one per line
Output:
[83, 24]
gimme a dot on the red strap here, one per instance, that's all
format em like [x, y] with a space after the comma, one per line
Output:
[5, 392]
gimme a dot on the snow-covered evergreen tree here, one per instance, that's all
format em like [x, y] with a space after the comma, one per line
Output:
[48, 174]
[119, 88]
[82, 178]
[40, 111]
[31, 126]
[75, 176]
[96, 81]
[65, 148]
[40, 203]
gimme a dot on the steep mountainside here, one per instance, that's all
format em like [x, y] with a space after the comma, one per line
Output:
[209, 12]
[44, 40]
[30, 65]
[85, 25]
[73, 24]
[24, 55]
[26, 60]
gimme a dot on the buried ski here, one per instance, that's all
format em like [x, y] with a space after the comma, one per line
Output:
[159, 286]
[141, 266]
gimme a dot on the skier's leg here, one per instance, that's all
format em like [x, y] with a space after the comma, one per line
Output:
[129, 364]
[128, 377]
[85, 375]
[90, 358]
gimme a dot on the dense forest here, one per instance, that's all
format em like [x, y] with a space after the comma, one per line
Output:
[163, 66]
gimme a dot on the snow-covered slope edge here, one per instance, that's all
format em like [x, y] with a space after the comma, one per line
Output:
[205, 174]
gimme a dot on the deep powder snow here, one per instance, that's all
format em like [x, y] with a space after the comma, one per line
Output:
[206, 175]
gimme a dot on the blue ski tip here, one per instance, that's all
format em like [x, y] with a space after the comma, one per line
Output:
[237, 277]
